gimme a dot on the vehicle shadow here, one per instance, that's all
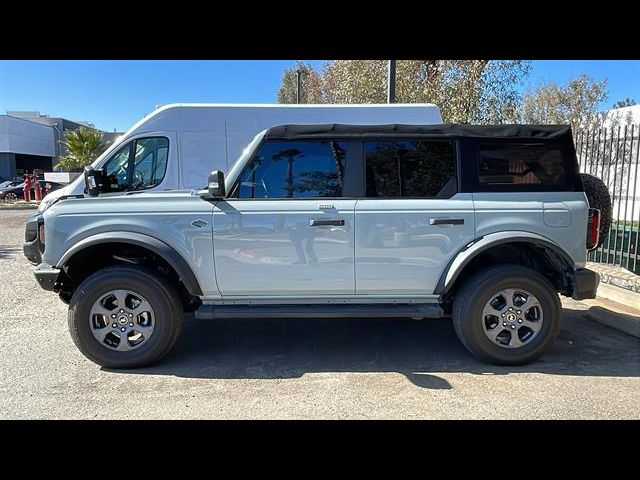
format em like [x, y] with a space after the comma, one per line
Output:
[289, 348]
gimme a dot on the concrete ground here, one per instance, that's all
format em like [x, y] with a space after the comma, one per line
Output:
[378, 368]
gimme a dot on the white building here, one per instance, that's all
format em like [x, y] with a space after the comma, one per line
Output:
[31, 140]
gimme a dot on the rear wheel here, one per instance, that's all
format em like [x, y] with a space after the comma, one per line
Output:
[507, 314]
[122, 317]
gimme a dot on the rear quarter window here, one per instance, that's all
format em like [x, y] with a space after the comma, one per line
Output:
[521, 166]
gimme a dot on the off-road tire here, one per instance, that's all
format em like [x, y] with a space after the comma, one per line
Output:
[471, 298]
[160, 294]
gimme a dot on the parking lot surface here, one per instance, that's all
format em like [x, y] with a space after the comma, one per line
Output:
[288, 368]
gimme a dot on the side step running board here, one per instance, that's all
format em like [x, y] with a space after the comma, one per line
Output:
[429, 310]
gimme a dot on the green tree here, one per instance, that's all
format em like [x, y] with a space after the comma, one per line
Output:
[309, 85]
[467, 91]
[575, 103]
[83, 146]
[627, 102]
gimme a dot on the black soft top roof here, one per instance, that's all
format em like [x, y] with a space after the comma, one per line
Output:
[555, 132]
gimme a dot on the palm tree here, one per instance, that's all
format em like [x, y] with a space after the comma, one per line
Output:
[83, 146]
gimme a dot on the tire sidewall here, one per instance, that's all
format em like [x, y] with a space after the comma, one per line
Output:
[474, 323]
[138, 281]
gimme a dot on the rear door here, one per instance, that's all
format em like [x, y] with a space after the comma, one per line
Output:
[412, 219]
[287, 227]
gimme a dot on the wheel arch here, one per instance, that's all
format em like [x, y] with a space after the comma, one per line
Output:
[152, 244]
[465, 257]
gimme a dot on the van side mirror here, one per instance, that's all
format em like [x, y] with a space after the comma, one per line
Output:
[92, 180]
[215, 185]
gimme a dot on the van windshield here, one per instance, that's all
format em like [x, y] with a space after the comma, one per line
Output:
[236, 168]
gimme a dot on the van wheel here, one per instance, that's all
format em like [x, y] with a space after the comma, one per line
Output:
[124, 317]
[598, 195]
[507, 314]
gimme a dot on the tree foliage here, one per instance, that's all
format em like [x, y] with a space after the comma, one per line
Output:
[627, 102]
[575, 103]
[309, 85]
[467, 91]
[83, 146]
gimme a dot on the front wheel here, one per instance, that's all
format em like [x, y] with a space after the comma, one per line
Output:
[507, 314]
[124, 317]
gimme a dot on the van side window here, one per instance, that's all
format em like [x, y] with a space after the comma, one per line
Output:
[295, 169]
[150, 162]
[149, 165]
[410, 169]
[521, 164]
[117, 171]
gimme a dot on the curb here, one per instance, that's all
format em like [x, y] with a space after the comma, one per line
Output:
[620, 321]
[18, 207]
[617, 308]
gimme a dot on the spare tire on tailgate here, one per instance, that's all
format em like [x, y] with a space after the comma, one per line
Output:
[598, 196]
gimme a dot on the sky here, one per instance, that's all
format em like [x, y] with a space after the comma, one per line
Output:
[116, 94]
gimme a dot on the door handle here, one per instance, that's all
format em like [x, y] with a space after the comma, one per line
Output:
[446, 221]
[323, 223]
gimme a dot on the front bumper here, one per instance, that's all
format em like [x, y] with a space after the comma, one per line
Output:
[47, 276]
[585, 284]
[32, 247]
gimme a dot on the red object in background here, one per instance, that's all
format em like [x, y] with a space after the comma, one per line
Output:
[36, 190]
[26, 190]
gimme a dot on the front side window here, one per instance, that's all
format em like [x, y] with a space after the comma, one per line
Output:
[295, 169]
[410, 169]
[521, 164]
[117, 171]
[148, 169]
[150, 162]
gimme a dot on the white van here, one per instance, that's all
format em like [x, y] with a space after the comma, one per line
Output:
[177, 145]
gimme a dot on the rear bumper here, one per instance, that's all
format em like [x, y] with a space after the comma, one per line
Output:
[46, 275]
[585, 284]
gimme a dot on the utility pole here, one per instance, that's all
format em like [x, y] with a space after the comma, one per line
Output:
[298, 85]
[391, 82]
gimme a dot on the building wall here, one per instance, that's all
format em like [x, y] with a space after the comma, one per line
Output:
[23, 136]
[31, 140]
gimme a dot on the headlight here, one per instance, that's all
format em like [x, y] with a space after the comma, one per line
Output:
[46, 203]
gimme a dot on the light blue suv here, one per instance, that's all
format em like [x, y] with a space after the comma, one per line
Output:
[485, 224]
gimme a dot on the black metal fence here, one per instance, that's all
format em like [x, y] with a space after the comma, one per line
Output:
[612, 153]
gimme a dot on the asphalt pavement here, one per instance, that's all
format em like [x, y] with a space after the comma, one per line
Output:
[289, 368]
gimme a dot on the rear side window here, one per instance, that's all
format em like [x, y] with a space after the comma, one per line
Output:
[525, 165]
[295, 169]
[410, 169]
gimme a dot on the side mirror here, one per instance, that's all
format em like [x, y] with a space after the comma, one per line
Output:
[92, 180]
[215, 186]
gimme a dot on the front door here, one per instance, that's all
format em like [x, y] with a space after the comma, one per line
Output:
[412, 219]
[287, 228]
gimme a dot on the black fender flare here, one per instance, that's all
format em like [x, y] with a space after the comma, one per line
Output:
[467, 253]
[160, 248]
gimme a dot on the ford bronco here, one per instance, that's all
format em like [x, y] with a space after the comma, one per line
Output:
[483, 224]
